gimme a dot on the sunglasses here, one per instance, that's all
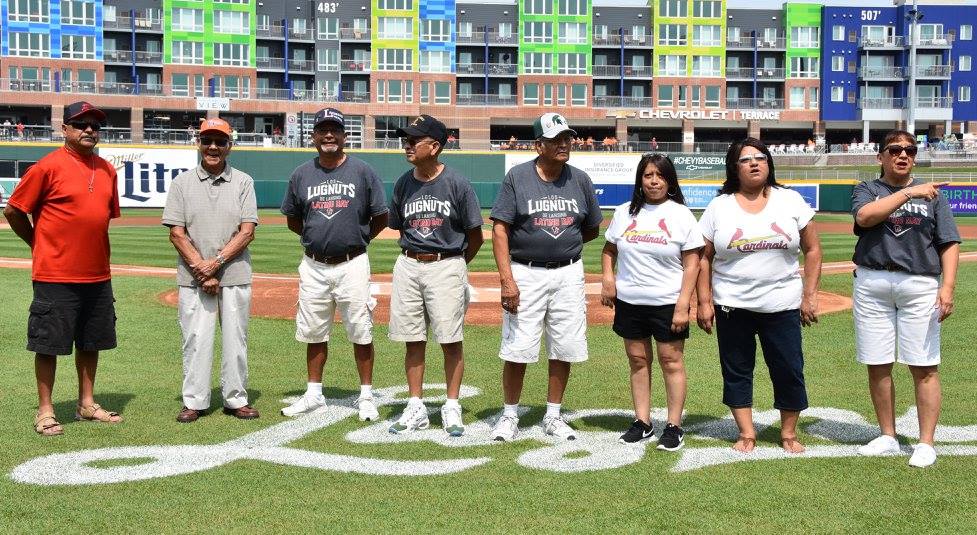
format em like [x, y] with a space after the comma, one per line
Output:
[85, 125]
[219, 141]
[758, 157]
[408, 142]
[896, 150]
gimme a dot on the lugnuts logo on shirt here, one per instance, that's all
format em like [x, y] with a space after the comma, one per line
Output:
[906, 217]
[426, 214]
[553, 214]
[748, 244]
[330, 197]
[659, 235]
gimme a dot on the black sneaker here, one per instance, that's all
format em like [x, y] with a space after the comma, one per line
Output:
[637, 432]
[671, 439]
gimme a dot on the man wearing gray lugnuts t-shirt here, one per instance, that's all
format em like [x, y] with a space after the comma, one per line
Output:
[544, 213]
[440, 224]
[336, 204]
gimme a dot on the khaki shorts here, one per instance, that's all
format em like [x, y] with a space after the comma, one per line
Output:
[324, 288]
[427, 294]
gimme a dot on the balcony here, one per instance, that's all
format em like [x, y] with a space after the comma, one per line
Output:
[117, 56]
[351, 66]
[934, 102]
[770, 74]
[354, 34]
[606, 101]
[934, 71]
[301, 34]
[478, 69]
[740, 73]
[272, 31]
[772, 44]
[935, 41]
[270, 64]
[492, 38]
[890, 42]
[126, 56]
[615, 40]
[301, 65]
[615, 71]
[743, 43]
[880, 103]
[755, 103]
[882, 73]
[126, 23]
[354, 96]
[485, 100]
[934, 108]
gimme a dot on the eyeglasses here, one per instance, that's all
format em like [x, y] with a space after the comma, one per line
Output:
[896, 150]
[408, 142]
[219, 141]
[85, 125]
[749, 158]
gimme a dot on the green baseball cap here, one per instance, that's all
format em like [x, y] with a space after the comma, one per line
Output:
[550, 125]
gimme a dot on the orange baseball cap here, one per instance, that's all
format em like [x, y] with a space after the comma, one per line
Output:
[215, 125]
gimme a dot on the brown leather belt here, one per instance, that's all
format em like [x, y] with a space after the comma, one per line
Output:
[547, 265]
[430, 257]
[332, 260]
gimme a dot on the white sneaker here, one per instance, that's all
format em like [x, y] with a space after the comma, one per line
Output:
[506, 428]
[923, 455]
[559, 428]
[451, 420]
[367, 408]
[414, 418]
[881, 445]
[305, 404]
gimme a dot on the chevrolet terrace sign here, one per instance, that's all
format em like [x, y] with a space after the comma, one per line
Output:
[711, 115]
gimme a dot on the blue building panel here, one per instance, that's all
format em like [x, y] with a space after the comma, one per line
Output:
[439, 10]
[54, 28]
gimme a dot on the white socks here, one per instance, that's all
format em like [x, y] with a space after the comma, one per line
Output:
[414, 401]
[452, 404]
[552, 410]
[510, 410]
[366, 391]
[313, 390]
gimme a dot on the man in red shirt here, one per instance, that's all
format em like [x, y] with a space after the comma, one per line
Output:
[70, 195]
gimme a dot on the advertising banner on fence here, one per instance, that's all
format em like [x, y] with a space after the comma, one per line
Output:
[145, 174]
[963, 199]
[602, 166]
[698, 195]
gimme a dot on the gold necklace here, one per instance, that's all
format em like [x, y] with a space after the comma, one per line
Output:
[91, 167]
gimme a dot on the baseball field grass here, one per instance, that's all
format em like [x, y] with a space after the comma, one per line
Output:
[528, 485]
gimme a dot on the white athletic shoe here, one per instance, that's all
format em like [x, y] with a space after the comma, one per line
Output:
[881, 445]
[414, 418]
[923, 455]
[559, 428]
[451, 420]
[304, 405]
[506, 428]
[367, 408]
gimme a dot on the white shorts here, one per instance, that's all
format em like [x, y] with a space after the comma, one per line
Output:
[323, 288]
[552, 300]
[896, 318]
[429, 293]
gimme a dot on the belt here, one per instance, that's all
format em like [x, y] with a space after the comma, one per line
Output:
[430, 257]
[547, 265]
[339, 259]
[889, 266]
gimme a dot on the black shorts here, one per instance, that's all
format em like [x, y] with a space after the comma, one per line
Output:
[637, 322]
[63, 314]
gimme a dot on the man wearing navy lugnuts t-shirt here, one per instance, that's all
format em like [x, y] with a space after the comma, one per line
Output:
[544, 213]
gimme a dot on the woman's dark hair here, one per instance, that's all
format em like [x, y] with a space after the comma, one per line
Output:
[894, 135]
[667, 171]
[732, 183]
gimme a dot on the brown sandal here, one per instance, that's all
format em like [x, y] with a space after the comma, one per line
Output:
[47, 425]
[95, 413]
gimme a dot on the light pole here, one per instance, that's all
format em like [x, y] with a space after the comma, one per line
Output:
[914, 16]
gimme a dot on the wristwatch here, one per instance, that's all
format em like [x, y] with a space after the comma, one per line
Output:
[220, 259]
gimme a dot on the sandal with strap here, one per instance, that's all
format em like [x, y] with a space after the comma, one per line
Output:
[95, 413]
[46, 424]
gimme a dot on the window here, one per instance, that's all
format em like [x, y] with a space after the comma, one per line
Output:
[805, 37]
[638, 33]
[797, 98]
[812, 92]
[538, 32]
[381, 91]
[400, 91]
[572, 64]
[77, 46]
[578, 95]
[712, 96]
[966, 32]
[437, 30]
[733, 34]
[537, 7]
[395, 28]
[464, 29]
[673, 8]
[964, 63]
[572, 33]
[28, 10]
[435, 61]
[929, 33]
[395, 4]
[696, 95]
[530, 94]
[710, 9]
[804, 67]
[108, 13]
[30, 44]
[425, 93]
[963, 94]
[188, 52]
[505, 30]
[442, 92]
[838, 32]
[232, 54]
[665, 96]
[561, 95]
[327, 59]
[683, 96]
[188, 20]
[78, 12]
[573, 7]
[395, 59]
[706, 35]
[837, 63]
[232, 22]
[672, 65]
[706, 65]
[547, 94]
[181, 85]
[672, 34]
[537, 63]
[198, 85]
[327, 28]
[837, 94]
[600, 32]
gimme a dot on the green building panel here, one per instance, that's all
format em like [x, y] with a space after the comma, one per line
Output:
[208, 36]
[554, 48]
[800, 15]
[412, 44]
[688, 50]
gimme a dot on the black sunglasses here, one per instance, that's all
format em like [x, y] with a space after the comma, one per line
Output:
[896, 150]
[85, 125]
[219, 141]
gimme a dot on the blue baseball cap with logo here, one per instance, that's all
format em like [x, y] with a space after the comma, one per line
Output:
[330, 115]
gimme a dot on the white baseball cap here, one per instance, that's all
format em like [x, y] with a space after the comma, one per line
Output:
[550, 125]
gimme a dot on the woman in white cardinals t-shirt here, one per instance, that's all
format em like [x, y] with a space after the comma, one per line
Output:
[655, 242]
[750, 285]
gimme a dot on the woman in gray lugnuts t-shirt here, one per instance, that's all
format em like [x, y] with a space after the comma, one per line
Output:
[907, 239]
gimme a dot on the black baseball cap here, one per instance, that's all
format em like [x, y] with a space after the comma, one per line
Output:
[77, 109]
[330, 115]
[425, 125]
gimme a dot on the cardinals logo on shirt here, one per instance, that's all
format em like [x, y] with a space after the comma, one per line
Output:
[553, 214]
[330, 198]
[780, 239]
[426, 214]
[659, 235]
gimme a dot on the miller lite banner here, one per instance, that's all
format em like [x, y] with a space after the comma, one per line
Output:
[145, 174]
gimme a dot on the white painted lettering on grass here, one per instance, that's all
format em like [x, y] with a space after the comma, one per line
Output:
[593, 450]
